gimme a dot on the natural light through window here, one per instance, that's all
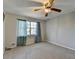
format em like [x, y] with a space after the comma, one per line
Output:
[26, 28]
[31, 28]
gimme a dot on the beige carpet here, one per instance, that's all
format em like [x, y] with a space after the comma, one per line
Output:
[40, 51]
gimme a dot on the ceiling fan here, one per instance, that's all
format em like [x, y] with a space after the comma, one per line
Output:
[47, 7]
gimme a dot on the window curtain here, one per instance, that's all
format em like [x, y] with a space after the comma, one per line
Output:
[22, 33]
[38, 35]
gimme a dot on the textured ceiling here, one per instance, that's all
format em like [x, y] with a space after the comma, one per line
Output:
[24, 7]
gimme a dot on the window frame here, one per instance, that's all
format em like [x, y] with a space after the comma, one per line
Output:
[31, 28]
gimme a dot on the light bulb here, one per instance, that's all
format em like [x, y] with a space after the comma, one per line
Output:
[47, 10]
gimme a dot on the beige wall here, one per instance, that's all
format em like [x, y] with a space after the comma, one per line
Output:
[3, 36]
[61, 30]
[10, 32]
[43, 30]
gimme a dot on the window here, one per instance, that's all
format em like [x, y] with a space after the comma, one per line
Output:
[21, 28]
[26, 28]
[31, 28]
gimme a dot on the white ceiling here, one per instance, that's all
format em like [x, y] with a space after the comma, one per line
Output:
[24, 7]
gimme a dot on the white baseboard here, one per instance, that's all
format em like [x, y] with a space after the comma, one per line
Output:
[61, 45]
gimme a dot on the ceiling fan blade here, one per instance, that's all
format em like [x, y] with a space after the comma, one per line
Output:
[46, 14]
[51, 1]
[55, 9]
[36, 9]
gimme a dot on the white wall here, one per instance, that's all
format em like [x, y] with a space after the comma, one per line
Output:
[10, 33]
[61, 30]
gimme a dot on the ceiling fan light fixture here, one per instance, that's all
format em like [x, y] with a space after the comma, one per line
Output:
[47, 10]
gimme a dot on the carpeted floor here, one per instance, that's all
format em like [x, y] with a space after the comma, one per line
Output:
[40, 51]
